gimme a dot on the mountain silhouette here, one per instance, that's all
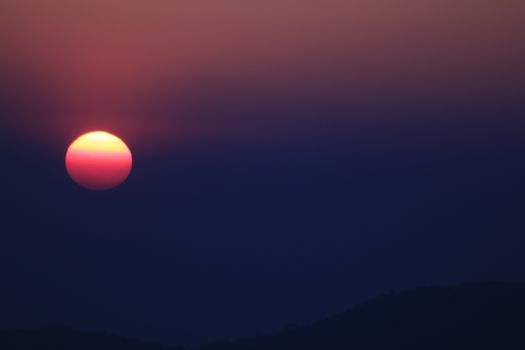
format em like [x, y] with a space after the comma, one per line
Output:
[471, 316]
[67, 339]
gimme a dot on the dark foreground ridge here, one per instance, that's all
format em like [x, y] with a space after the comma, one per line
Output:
[67, 339]
[472, 316]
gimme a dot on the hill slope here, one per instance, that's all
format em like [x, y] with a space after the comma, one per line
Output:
[473, 316]
[65, 339]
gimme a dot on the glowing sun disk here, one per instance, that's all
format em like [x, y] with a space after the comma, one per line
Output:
[99, 160]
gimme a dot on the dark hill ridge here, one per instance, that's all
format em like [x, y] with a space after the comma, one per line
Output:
[471, 316]
[67, 339]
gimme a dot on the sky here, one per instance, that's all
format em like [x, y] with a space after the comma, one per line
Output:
[291, 159]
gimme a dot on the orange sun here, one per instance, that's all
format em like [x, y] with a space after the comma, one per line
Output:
[99, 161]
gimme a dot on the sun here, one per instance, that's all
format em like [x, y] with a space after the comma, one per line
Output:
[99, 161]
